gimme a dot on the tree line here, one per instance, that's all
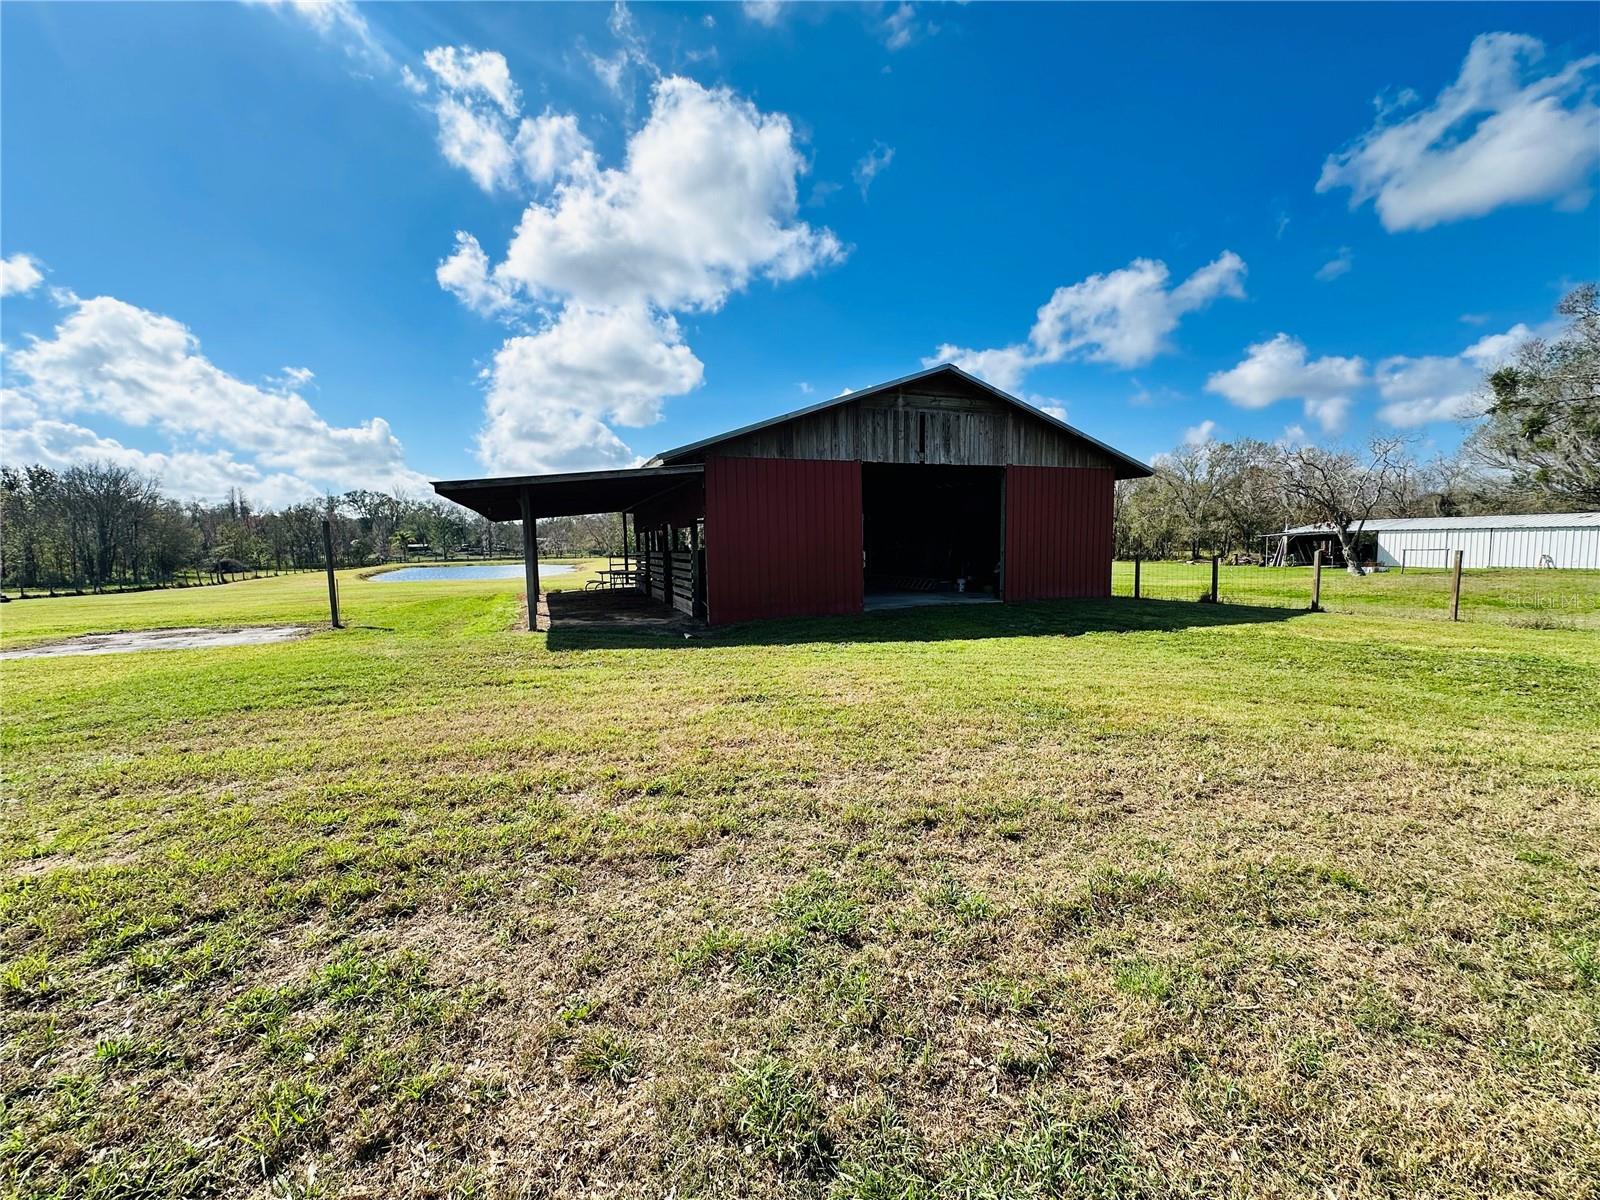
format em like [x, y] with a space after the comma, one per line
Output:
[1535, 448]
[102, 526]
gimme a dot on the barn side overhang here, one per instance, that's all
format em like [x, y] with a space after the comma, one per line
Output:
[568, 495]
[526, 498]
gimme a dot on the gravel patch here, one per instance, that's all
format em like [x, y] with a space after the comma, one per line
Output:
[161, 639]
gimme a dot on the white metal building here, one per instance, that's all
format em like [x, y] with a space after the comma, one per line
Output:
[1539, 540]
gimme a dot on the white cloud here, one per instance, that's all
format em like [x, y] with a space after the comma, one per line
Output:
[113, 359]
[19, 274]
[1502, 133]
[552, 147]
[339, 21]
[293, 377]
[554, 395]
[475, 104]
[1419, 390]
[187, 474]
[872, 163]
[1004, 366]
[1293, 436]
[481, 127]
[900, 27]
[475, 73]
[1279, 369]
[612, 70]
[703, 204]
[764, 12]
[1329, 412]
[1201, 434]
[1123, 317]
[465, 275]
[1336, 266]
[475, 140]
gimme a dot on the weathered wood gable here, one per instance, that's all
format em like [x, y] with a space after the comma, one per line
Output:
[940, 420]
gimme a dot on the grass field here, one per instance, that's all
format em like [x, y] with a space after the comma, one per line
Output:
[1098, 899]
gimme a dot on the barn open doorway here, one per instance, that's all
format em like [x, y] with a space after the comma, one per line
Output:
[931, 534]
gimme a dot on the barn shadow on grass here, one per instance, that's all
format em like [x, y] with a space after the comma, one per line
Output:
[579, 625]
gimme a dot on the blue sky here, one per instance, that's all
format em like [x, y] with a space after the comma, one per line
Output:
[295, 248]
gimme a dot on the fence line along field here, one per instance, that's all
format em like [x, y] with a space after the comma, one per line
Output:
[1538, 599]
[1113, 898]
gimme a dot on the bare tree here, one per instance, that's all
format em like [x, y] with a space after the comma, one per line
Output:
[1344, 489]
[1194, 476]
[1251, 499]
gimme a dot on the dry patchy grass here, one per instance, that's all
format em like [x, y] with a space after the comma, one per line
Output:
[1105, 900]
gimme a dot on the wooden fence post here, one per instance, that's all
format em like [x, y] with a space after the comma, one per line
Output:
[1316, 581]
[1136, 561]
[1214, 597]
[1455, 590]
[333, 584]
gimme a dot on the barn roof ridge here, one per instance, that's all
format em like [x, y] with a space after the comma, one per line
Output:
[665, 457]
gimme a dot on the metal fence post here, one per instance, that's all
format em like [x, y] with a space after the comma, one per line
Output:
[1316, 582]
[1455, 590]
[1136, 561]
[1214, 559]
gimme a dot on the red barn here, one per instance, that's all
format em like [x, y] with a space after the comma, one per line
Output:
[934, 486]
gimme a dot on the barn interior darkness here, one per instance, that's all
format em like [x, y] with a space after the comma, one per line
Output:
[927, 527]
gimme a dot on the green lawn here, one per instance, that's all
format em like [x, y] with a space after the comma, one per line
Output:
[1535, 599]
[1100, 899]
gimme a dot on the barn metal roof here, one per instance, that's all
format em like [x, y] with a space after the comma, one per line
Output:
[1589, 520]
[1132, 468]
[566, 495]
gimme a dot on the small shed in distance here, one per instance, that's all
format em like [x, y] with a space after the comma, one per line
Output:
[936, 482]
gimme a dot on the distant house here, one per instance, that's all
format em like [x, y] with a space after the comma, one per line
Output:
[936, 483]
[1541, 540]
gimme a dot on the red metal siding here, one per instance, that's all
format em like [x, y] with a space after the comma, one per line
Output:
[1058, 532]
[783, 538]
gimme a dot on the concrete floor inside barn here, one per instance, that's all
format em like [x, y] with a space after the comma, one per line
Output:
[878, 601]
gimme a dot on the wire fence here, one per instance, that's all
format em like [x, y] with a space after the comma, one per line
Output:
[1549, 599]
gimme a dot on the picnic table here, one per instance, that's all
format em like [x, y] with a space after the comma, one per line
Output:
[612, 577]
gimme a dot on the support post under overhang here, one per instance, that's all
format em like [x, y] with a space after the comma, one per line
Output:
[530, 557]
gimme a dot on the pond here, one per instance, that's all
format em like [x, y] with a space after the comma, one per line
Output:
[466, 571]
